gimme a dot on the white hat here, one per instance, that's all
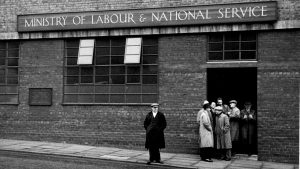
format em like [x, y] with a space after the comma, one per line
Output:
[205, 102]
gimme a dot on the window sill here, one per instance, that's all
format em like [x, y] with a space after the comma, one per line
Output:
[106, 104]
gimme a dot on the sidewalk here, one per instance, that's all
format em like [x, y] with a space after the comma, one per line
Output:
[169, 159]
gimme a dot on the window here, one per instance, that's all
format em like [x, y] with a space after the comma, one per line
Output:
[9, 72]
[85, 54]
[122, 71]
[233, 46]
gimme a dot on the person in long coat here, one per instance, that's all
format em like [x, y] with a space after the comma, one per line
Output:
[206, 141]
[248, 129]
[234, 119]
[222, 130]
[155, 124]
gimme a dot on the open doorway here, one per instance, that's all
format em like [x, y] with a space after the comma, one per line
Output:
[233, 84]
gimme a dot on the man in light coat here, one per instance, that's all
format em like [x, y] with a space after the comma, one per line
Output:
[222, 130]
[206, 141]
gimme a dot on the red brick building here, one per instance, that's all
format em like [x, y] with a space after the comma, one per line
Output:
[86, 72]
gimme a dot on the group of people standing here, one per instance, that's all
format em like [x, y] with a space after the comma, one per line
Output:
[225, 129]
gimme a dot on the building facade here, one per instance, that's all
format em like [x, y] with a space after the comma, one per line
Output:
[86, 72]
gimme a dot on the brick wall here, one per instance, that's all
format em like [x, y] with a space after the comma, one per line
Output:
[278, 96]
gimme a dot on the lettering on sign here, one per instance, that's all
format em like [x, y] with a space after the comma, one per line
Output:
[194, 15]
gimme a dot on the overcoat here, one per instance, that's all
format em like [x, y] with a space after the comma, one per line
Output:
[234, 116]
[248, 126]
[205, 131]
[154, 127]
[222, 130]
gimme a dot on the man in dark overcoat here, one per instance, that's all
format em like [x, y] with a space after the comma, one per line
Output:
[154, 124]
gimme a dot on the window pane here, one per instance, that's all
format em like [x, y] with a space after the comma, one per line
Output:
[104, 60]
[215, 47]
[71, 61]
[117, 50]
[231, 56]
[87, 71]
[248, 45]
[215, 56]
[12, 89]
[102, 51]
[2, 89]
[13, 44]
[149, 69]
[117, 60]
[2, 62]
[72, 71]
[118, 79]
[150, 59]
[248, 36]
[72, 43]
[133, 98]
[232, 36]
[101, 98]
[231, 45]
[2, 80]
[147, 79]
[117, 98]
[86, 51]
[87, 43]
[12, 71]
[133, 70]
[13, 53]
[117, 89]
[85, 98]
[12, 80]
[2, 45]
[86, 79]
[4, 98]
[149, 98]
[102, 79]
[2, 72]
[72, 79]
[72, 52]
[133, 78]
[150, 41]
[133, 50]
[134, 41]
[150, 49]
[102, 42]
[133, 89]
[149, 89]
[85, 60]
[86, 89]
[71, 89]
[103, 70]
[2, 53]
[102, 89]
[216, 38]
[118, 42]
[70, 98]
[248, 54]
[132, 59]
[118, 70]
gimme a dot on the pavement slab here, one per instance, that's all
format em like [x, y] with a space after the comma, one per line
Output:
[272, 165]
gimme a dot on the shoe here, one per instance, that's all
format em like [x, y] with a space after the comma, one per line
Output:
[149, 162]
[160, 162]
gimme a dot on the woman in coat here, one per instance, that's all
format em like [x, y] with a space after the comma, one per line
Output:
[222, 130]
[206, 140]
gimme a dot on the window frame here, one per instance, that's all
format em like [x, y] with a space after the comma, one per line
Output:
[239, 50]
[106, 72]
[7, 87]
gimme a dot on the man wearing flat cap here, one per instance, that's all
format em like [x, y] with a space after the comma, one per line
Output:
[234, 118]
[154, 124]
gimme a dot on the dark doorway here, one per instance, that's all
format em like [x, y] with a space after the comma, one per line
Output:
[233, 84]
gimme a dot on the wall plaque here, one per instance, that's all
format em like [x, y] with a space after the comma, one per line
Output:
[40, 96]
[172, 16]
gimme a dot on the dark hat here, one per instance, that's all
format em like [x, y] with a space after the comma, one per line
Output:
[247, 103]
[233, 101]
[154, 104]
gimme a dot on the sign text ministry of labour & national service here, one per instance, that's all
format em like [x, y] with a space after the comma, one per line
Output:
[195, 15]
